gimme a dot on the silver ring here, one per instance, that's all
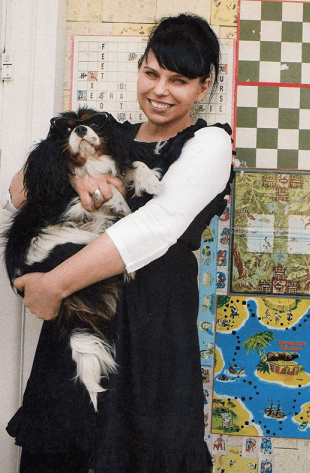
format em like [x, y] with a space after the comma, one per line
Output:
[97, 195]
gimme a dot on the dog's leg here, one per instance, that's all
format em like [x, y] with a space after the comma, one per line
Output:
[144, 179]
[118, 203]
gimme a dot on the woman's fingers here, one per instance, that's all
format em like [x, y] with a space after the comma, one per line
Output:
[19, 283]
[118, 184]
[103, 191]
[18, 191]
[94, 191]
[86, 201]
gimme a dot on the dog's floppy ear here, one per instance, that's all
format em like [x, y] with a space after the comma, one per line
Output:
[46, 173]
[118, 142]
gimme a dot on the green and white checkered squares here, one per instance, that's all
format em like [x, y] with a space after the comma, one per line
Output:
[274, 42]
[273, 127]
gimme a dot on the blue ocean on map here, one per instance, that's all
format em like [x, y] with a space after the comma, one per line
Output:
[256, 394]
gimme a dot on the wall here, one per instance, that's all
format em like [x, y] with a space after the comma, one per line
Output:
[103, 17]
[36, 39]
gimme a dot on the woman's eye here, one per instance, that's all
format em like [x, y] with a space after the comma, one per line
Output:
[179, 81]
[151, 74]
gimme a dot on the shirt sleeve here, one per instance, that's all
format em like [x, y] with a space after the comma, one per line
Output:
[192, 181]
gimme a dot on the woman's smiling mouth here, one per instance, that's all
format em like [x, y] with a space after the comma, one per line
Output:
[160, 105]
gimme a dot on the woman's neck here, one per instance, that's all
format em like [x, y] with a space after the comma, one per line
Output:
[151, 133]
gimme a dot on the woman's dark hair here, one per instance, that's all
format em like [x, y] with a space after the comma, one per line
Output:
[185, 44]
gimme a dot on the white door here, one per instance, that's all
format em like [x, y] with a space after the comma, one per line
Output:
[32, 38]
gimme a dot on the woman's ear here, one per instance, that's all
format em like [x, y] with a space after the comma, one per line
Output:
[204, 87]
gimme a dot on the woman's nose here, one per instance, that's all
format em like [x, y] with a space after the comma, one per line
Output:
[161, 87]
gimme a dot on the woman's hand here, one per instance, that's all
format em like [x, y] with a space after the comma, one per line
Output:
[17, 190]
[41, 298]
[87, 185]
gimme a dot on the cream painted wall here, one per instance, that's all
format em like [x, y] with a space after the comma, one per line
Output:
[36, 38]
[105, 17]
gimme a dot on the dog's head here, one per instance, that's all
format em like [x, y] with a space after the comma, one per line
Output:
[73, 137]
[85, 134]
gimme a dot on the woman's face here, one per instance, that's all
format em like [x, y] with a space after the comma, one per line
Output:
[167, 97]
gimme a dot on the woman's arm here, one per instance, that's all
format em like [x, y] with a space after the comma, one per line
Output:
[45, 291]
[191, 183]
[200, 173]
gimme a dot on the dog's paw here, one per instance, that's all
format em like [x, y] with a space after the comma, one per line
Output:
[146, 179]
[118, 203]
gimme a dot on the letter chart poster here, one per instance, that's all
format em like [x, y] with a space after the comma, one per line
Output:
[104, 74]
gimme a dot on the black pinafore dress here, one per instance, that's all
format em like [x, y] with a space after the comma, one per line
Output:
[150, 420]
[153, 411]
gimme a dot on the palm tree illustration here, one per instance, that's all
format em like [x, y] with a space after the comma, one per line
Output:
[258, 342]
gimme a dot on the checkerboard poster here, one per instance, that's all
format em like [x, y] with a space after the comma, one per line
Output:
[273, 85]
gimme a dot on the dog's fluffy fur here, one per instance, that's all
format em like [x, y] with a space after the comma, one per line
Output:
[53, 225]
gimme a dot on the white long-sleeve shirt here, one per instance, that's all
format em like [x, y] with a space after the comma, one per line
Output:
[200, 173]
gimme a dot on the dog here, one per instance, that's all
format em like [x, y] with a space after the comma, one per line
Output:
[53, 225]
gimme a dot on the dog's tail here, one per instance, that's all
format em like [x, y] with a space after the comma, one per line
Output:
[94, 360]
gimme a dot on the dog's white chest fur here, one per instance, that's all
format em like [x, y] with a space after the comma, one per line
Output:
[97, 165]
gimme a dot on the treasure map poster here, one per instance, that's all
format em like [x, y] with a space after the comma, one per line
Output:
[261, 370]
[271, 233]
[255, 338]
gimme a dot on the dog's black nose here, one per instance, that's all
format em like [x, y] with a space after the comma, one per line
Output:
[81, 131]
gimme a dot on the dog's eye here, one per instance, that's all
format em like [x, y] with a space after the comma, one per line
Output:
[65, 129]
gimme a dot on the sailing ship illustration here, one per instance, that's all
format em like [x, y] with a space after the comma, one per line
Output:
[235, 370]
[274, 411]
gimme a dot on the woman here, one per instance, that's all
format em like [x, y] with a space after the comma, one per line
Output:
[151, 417]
